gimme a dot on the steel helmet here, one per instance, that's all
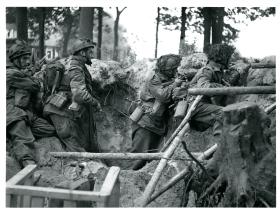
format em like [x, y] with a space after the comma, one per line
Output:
[168, 62]
[220, 53]
[20, 48]
[81, 44]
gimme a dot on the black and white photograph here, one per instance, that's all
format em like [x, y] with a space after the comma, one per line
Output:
[140, 106]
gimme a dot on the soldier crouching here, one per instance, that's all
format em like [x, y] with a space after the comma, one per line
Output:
[23, 125]
[156, 97]
[208, 112]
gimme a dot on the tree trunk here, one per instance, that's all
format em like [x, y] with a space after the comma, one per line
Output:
[21, 22]
[42, 32]
[183, 30]
[66, 35]
[116, 34]
[86, 22]
[244, 162]
[100, 23]
[158, 20]
[217, 25]
[207, 28]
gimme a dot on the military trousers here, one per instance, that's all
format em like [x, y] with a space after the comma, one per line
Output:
[76, 135]
[207, 115]
[143, 141]
[22, 135]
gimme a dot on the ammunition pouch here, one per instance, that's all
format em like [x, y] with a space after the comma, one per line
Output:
[22, 98]
[58, 99]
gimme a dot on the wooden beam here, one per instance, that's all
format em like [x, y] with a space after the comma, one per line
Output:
[262, 65]
[55, 193]
[204, 155]
[22, 175]
[118, 156]
[232, 90]
[183, 123]
[157, 174]
[270, 108]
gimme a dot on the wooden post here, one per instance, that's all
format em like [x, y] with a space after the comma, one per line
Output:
[111, 189]
[182, 174]
[154, 180]
[183, 123]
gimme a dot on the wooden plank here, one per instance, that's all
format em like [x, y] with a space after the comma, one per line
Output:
[11, 200]
[37, 201]
[56, 193]
[69, 203]
[26, 201]
[114, 199]
[22, 175]
[110, 181]
[27, 198]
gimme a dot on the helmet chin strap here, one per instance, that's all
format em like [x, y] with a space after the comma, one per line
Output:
[17, 63]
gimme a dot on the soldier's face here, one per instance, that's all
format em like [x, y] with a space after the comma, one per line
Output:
[23, 61]
[89, 55]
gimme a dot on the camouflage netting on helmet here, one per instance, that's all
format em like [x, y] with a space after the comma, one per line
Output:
[191, 64]
[82, 43]
[220, 53]
[168, 62]
[20, 48]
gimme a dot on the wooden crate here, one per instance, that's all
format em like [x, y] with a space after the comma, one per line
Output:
[21, 193]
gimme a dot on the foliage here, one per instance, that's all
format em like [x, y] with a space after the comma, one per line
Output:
[194, 21]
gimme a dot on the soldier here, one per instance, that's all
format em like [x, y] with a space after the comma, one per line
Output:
[72, 102]
[209, 110]
[155, 98]
[23, 126]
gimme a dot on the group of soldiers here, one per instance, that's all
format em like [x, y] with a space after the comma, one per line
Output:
[68, 101]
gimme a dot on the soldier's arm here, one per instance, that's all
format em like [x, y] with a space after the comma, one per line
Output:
[161, 92]
[18, 79]
[205, 79]
[78, 87]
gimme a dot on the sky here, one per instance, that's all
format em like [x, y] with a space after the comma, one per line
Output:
[256, 39]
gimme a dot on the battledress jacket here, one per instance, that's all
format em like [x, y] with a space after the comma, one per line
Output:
[157, 88]
[16, 80]
[210, 76]
[77, 80]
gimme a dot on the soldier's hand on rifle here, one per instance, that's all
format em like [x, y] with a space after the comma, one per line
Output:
[97, 105]
[179, 93]
[177, 82]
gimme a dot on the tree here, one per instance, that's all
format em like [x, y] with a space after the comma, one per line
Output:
[67, 22]
[42, 32]
[183, 29]
[100, 29]
[86, 22]
[207, 27]
[116, 34]
[21, 23]
[211, 22]
[158, 21]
